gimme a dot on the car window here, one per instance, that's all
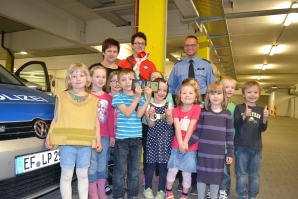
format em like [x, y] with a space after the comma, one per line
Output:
[34, 73]
[7, 78]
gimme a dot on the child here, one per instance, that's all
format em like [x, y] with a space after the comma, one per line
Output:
[224, 188]
[159, 140]
[113, 86]
[76, 113]
[97, 173]
[193, 191]
[250, 120]
[169, 98]
[183, 158]
[130, 108]
[214, 130]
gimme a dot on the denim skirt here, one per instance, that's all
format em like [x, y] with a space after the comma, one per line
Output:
[185, 162]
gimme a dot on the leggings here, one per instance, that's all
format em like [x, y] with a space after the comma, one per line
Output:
[171, 176]
[162, 175]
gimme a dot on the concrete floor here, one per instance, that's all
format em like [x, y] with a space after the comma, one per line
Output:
[279, 173]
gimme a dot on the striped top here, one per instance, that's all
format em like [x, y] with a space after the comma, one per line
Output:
[127, 127]
[214, 130]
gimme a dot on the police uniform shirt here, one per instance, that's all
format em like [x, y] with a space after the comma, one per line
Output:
[203, 73]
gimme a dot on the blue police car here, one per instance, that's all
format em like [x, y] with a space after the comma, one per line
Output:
[27, 168]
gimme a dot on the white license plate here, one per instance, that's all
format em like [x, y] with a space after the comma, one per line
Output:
[35, 161]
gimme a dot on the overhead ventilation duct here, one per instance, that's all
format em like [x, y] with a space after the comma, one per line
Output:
[107, 11]
[212, 16]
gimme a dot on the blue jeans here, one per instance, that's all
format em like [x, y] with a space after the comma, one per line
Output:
[127, 152]
[226, 179]
[99, 162]
[247, 162]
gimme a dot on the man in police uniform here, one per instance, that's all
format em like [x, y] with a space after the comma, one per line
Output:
[202, 68]
[146, 67]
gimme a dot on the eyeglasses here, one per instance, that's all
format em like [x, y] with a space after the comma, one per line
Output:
[190, 45]
[139, 44]
[114, 81]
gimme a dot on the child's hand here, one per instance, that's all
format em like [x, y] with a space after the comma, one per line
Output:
[98, 147]
[247, 112]
[182, 149]
[168, 112]
[48, 144]
[185, 146]
[112, 142]
[148, 92]
[229, 160]
[266, 112]
[138, 91]
[151, 111]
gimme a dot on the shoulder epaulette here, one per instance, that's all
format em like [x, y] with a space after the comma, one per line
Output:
[178, 62]
[206, 60]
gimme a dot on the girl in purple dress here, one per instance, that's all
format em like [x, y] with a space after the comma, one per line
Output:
[214, 130]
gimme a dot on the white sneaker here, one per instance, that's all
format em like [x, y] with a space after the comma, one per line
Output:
[223, 194]
[160, 195]
[148, 193]
[208, 195]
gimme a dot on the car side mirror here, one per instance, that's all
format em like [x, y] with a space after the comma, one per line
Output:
[33, 86]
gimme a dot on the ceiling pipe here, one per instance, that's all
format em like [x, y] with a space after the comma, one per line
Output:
[7, 49]
[261, 13]
[136, 17]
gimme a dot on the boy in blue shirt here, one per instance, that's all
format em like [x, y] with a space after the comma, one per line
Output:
[130, 108]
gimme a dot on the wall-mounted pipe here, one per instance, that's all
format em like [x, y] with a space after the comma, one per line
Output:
[136, 17]
[7, 49]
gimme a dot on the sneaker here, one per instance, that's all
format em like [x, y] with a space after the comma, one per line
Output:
[108, 190]
[148, 193]
[208, 196]
[179, 187]
[170, 195]
[160, 195]
[143, 180]
[183, 196]
[223, 194]
[194, 191]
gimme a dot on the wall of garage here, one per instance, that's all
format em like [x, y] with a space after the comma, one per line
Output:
[286, 105]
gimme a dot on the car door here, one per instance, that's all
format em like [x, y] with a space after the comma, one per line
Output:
[35, 72]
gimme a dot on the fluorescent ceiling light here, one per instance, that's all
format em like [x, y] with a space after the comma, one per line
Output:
[294, 5]
[264, 66]
[167, 59]
[291, 16]
[273, 49]
[259, 77]
[23, 52]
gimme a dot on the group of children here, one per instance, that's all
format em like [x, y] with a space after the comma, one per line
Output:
[189, 137]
